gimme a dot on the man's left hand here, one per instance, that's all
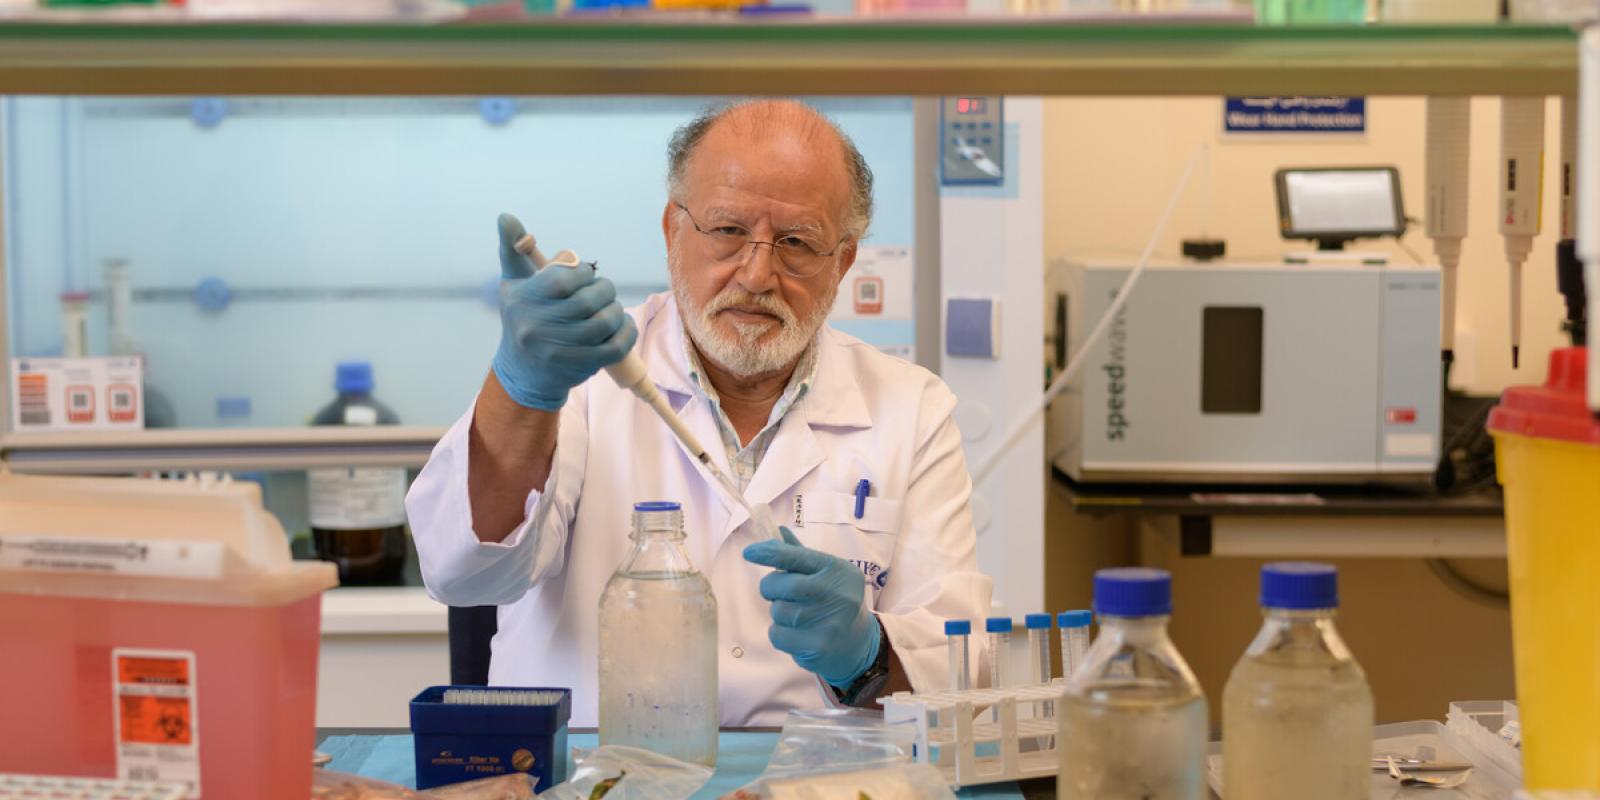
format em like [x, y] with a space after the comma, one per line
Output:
[817, 612]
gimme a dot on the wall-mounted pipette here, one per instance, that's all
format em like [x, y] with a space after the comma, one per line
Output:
[1521, 192]
[1449, 139]
[630, 374]
[1569, 270]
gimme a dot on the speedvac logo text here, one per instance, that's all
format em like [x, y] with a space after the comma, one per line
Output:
[1117, 378]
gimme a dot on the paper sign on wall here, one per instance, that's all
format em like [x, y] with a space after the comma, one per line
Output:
[67, 394]
[878, 286]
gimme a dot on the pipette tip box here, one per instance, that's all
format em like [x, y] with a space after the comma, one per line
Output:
[462, 733]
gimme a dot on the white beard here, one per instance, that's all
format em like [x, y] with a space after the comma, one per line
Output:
[745, 352]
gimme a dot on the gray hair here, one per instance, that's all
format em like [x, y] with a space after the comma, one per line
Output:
[858, 213]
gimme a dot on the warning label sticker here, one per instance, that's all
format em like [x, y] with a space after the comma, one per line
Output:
[157, 724]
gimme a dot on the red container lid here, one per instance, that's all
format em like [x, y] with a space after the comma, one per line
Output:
[1555, 410]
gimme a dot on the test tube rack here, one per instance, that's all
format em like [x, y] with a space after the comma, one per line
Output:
[978, 736]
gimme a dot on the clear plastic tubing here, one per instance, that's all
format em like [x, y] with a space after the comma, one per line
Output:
[958, 633]
[1038, 626]
[999, 630]
[1074, 639]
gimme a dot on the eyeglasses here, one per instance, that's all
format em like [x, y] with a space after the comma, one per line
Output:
[799, 256]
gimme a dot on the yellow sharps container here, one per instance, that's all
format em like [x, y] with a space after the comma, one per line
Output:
[1547, 446]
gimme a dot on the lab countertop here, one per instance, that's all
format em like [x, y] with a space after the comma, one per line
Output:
[387, 754]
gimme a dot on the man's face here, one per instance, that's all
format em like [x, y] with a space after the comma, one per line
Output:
[748, 313]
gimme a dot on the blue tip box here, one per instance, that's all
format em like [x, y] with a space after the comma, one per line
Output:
[463, 742]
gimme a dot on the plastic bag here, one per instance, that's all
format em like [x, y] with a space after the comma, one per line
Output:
[846, 754]
[923, 781]
[330, 785]
[628, 773]
[839, 739]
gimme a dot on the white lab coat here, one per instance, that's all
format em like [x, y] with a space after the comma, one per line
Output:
[866, 415]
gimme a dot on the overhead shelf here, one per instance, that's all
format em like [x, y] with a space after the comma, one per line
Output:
[220, 449]
[700, 55]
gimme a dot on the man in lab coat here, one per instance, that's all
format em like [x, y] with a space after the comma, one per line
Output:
[526, 501]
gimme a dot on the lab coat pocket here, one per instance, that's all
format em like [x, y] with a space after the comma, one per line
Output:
[827, 521]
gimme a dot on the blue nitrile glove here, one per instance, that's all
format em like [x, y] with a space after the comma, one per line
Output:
[817, 612]
[557, 326]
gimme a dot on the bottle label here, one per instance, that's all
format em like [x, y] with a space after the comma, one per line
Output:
[157, 724]
[350, 499]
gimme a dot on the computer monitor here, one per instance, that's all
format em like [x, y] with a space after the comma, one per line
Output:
[1333, 205]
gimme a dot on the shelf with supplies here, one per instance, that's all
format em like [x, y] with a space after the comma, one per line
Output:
[219, 449]
[704, 54]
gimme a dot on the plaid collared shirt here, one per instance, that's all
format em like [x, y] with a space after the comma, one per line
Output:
[744, 460]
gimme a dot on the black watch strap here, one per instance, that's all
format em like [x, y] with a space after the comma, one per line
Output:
[871, 682]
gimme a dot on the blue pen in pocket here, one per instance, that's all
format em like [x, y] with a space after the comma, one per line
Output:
[862, 487]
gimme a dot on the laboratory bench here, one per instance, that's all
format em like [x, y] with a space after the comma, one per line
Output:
[1287, 521]
[387, 754]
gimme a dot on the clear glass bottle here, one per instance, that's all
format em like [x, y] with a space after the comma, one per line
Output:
[658, 645]
[1133, 719]
[1297, 711]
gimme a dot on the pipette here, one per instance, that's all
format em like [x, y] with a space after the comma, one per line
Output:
[1521, 191]
[1449, 128]
[630, 374]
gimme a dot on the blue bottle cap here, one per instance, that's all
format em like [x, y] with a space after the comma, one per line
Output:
[656, 505]
[1077, 618]
[1133, 592]
[997, 625]
[1034, 622]
[957, 627]
[1299, 585]
[353, 377]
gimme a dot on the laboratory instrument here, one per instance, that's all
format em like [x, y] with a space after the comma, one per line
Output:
[159, 412]
[1297, 710]
[459, 732]
[1448, 169]
[1547, 451]
[1411, 779]
[1133, 722]
[1074, 627]
[1521, 193]
[958, 636]
[206, 631]
[1324, 373]
[1038, 627]
[658, 645]
[61, 787]
[358, 514]
[630, 374]
[1569, 270]
[1336, 205]
[999, 630]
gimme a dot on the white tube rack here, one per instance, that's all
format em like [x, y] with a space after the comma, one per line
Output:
[969, 751]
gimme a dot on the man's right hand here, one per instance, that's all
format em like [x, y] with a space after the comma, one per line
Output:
[558, 326]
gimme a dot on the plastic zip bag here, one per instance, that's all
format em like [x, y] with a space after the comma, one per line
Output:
[844, 754]
[628, 773]
[330, 785]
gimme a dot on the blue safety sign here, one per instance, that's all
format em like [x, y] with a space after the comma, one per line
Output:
[1294, 115]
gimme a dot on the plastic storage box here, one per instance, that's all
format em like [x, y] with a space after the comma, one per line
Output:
[156, 630]
[497, 734]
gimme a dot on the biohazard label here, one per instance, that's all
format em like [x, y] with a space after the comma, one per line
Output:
[157, 722]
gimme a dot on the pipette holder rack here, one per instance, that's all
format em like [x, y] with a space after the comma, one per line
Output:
[957, 731]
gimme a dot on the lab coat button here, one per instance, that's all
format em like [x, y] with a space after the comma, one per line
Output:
[738, 652]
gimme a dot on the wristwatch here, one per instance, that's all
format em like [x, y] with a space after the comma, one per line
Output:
[870, 683]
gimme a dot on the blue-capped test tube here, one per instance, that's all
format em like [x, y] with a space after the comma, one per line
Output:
[1074, 639]
[1038, 626]
[999, 630]
[957, 633]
